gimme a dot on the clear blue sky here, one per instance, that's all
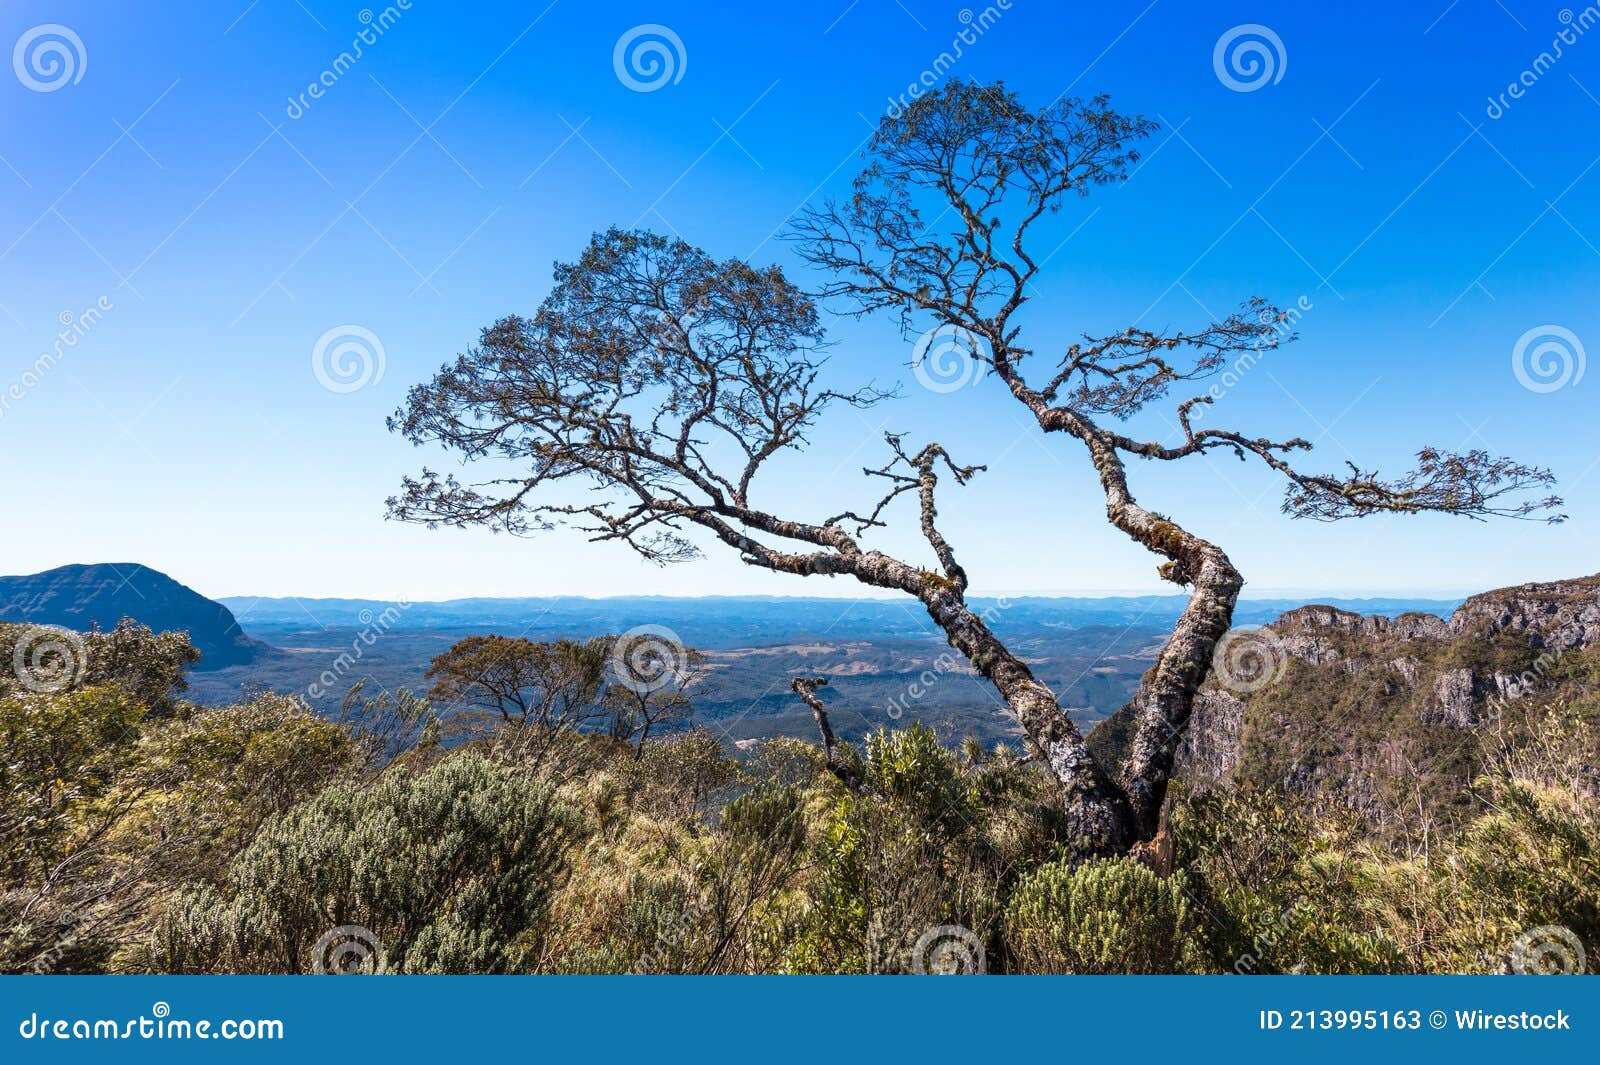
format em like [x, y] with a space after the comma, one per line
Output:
[431, 186]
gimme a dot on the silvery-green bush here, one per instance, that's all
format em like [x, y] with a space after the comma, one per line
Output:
[450, 871]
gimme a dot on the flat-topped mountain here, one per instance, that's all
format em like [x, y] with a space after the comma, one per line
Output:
[82, 597]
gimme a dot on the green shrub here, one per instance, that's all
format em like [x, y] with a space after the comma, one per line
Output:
[1103, 916]
[1531, 864]
[677, 775]
[62, 756]
[913, 769]
[1282, 886]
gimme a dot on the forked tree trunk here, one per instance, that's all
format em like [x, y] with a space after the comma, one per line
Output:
[1166, 694]
[1098, 814]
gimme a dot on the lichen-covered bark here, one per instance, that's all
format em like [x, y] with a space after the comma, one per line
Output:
[806, 688]
[1096, 810]
[1166, 694]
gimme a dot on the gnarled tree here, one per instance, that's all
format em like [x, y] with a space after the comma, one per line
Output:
[942, 229]
[655, 383]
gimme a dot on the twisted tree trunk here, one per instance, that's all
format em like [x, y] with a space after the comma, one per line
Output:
[1166, 694]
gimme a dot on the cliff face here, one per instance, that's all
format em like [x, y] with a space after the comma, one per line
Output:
[86, 596]
[1372, 709]
[1557, 617]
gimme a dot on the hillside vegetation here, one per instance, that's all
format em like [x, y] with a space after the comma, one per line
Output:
[143, 833]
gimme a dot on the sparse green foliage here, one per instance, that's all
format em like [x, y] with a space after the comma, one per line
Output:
[1280, 886]
[912, 768]
[220, 773]
[62, 758]
[677, 776]
[528, 684]
[148, 666]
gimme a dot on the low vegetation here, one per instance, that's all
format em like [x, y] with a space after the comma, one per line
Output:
[142, 833]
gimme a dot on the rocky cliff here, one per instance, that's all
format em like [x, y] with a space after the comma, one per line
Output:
[1379, 712]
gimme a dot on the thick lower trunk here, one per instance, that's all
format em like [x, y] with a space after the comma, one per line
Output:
[1166, 695]
[1098, 814]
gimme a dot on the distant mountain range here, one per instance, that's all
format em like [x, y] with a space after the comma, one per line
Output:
[734, 621]
[83, 597]
[1376, 701]
[1091, 650]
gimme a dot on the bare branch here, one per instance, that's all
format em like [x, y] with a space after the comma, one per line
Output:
[838, 765]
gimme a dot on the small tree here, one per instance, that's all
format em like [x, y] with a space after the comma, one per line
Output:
[525, 684]
[665, 698]
[666, 382]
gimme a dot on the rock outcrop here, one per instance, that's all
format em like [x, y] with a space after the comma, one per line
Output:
[1557, 617]
[1364, 707]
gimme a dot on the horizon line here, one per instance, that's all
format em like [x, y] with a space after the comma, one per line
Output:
[1275, 595]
